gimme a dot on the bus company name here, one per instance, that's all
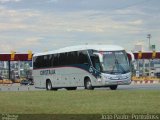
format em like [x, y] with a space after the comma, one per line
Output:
[47, 72]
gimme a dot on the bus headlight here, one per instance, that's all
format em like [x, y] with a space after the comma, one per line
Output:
[104, 77]
[99, 79]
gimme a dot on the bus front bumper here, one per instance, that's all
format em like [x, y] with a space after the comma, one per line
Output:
[119, 79]
[118, 82]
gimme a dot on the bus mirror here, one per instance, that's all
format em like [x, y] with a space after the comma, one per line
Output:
[133, 63]
[131, 56]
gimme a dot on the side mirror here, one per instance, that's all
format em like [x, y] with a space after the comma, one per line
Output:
[130, 56]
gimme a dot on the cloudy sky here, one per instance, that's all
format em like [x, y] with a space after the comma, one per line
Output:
[41, 25]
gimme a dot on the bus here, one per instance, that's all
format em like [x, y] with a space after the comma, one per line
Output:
[87, 66]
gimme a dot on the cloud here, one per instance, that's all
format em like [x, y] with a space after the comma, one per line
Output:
[70, 28]
[136, 22]
[12, 26]
[15, 19]
[53, 1]
[19, 44]
[76, 22]
[40, 27]
[5, 48]
[48, 23]
[21, 14]
[5, 1]
[31, 41]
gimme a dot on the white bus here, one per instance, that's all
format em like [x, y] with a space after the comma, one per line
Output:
[87, 66]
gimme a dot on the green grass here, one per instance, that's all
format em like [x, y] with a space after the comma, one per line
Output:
[80, 102]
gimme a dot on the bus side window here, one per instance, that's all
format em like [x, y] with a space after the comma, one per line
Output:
[83, 58]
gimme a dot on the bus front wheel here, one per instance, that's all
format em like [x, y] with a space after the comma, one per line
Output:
[88, 84]
[114, 87]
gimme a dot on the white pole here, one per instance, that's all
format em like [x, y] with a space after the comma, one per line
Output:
[19, 68]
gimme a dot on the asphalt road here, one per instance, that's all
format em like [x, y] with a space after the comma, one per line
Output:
[18, 87]
[140, 87]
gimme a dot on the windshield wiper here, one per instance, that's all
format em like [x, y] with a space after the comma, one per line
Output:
[120, 66]
[113, 68]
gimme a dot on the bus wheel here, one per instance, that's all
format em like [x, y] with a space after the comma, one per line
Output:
[88, 84]
[48, 85]
[114, 87]
[71, 88]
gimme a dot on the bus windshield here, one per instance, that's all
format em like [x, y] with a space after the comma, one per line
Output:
[115, 62]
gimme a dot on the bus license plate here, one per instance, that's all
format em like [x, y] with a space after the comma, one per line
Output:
[119, 82]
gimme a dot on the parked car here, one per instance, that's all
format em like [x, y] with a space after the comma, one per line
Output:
[1, 78]
[26, 82]
[158, 74]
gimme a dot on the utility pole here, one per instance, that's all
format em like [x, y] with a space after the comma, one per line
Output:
[149, 38]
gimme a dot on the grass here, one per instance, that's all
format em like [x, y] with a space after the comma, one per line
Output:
[81, 102]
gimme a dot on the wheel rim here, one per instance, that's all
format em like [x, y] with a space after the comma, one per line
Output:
[88, 84]
[49, 86]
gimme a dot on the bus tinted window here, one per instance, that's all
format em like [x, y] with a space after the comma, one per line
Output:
[55, 60]
[38, 62]
[61, 59]
[83, 57]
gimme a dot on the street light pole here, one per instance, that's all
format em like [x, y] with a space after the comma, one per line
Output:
[149, 38]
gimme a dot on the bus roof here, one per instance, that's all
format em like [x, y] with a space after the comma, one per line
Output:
[83, 47]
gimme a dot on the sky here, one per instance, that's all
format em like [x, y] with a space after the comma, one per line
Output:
[42, 25]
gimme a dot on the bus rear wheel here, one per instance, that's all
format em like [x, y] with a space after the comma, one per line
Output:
[88, 84]
[48, 85]
[113, 87]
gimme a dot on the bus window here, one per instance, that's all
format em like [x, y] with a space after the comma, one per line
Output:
[96, 62]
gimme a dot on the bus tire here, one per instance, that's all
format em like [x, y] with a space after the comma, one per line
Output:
[88, 84]
[48, 85]
[71, 88]
[113, 87]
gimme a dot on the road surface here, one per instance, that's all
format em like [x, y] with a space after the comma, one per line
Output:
[18, 87]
